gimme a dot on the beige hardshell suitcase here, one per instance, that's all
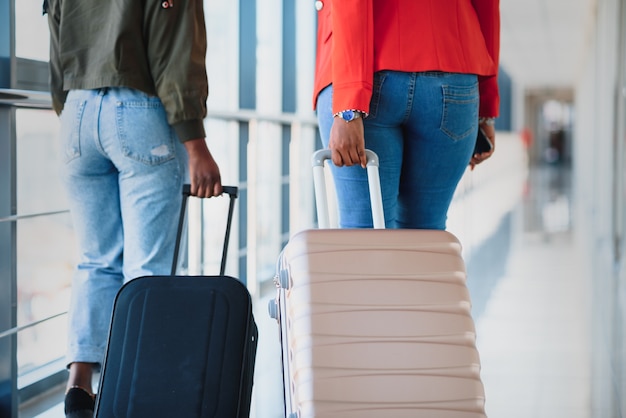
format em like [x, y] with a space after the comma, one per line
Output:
[376, 323]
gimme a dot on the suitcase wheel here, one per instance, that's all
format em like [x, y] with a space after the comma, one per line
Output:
[283, 277]
[272, 307]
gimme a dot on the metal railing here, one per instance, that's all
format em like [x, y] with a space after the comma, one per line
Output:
[42, 100]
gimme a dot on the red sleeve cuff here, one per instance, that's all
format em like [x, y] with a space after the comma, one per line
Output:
[353, 97]
[489, 97]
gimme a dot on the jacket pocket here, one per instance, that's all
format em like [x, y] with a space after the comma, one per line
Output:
[460, 110]
[324, 18]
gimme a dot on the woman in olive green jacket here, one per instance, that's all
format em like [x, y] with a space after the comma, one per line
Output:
[129, 82]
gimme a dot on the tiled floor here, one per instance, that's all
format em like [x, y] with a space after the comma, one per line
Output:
[534, 319]
[533, 336]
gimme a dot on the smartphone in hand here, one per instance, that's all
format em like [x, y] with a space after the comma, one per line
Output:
[483, 144]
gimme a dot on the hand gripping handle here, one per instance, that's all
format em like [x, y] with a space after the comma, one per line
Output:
[321, 198]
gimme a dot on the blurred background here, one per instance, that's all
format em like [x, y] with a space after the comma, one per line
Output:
[542, 222]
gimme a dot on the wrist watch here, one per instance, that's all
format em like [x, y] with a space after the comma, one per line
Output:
[349, 115]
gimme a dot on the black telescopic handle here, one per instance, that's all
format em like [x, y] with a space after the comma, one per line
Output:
[232, 192]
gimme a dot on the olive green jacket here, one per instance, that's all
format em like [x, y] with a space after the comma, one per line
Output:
[156, 46]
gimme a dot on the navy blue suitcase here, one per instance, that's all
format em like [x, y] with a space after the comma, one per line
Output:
[180, 346]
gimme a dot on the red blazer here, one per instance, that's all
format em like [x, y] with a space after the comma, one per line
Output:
[356, 38]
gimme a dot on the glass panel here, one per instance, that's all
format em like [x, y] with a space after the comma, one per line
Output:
[45, 244]
[266, 177]
[222, 54]
[269, 66]
[38, 177]
[32, 38]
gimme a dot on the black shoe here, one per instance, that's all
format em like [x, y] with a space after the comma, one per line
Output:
[79, 403]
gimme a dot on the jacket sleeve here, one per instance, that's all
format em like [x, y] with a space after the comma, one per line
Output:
[352, 54]
[488, 12]
[176, 48]
[56, 73]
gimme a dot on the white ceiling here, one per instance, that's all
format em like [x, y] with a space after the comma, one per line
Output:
[543, 42]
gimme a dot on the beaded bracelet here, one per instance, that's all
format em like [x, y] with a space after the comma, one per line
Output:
[488, 121]
[363, 114]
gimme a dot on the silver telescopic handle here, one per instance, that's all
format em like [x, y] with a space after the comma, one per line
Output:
[321, 198]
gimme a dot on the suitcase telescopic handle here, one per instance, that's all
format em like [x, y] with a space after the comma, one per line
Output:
[321, 198]
[232, 192]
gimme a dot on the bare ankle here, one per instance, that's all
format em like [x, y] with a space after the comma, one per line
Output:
[81, 375]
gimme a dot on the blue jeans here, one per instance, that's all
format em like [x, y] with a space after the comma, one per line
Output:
[124, 170]
[423, 127]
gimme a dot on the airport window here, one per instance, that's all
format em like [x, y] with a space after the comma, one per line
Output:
[45, 243]
[31, 30]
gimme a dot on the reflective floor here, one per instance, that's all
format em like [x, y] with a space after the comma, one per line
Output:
[533, 335]
[533, 320]
[530, 305]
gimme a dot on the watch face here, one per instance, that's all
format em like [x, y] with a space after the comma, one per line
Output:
[348, 115]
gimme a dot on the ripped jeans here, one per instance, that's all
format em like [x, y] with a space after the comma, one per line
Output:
[123, 171]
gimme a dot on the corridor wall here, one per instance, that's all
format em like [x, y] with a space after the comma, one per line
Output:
[600, 167]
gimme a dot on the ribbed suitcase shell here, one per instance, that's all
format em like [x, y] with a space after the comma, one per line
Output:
[377, 323]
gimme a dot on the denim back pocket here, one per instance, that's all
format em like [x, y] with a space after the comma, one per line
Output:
[460, 110]
[71, 120]
[144, 133]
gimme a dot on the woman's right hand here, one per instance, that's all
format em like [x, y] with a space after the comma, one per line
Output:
[347, 143]
[204, 172]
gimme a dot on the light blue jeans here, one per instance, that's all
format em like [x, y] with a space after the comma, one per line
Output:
[124, 170]
[423, 127]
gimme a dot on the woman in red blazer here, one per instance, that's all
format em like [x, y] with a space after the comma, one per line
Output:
[413, 80]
